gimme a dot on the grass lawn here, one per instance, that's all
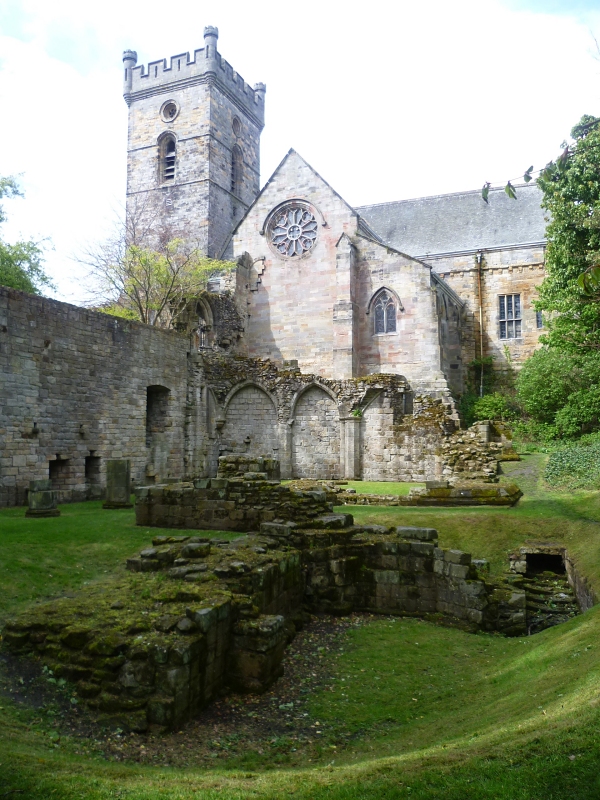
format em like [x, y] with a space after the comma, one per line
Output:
[405, 709]
[378, 487]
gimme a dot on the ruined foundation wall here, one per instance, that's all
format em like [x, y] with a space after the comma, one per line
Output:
[196, 614]
[226, 505]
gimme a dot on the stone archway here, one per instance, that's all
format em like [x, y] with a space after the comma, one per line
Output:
[316, 436]
[251, 423]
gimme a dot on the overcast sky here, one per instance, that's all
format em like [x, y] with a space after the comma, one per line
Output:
[387, 100]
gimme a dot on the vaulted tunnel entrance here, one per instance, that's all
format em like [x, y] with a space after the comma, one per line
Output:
[544, 562]
[549, 581]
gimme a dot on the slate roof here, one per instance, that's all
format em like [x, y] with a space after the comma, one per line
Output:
[453, 223]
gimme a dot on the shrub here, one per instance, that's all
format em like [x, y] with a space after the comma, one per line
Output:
[492, 406]
[576, 466]
[561, 391]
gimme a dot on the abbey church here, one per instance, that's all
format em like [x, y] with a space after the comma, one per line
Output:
[338, 345]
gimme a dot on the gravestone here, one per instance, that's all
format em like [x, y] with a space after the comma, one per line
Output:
[41, 500]
[118, 484]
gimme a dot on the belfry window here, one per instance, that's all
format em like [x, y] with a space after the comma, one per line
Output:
[509, 308]
[168, 157]
[385, 313]
[236, 169]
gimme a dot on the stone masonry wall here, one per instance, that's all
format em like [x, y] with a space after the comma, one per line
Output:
[376, 427]
[251, 422]
[77, 386]
[398, 447]
[236, 504]
[197, 614]
[74, 386]
[518, 270]
[316, 308]
[316, 436]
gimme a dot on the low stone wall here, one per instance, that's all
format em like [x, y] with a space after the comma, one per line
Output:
[471, 494]
[237, 465]
[239, 504]
[397, 571]
[196, 613]
[471, 455]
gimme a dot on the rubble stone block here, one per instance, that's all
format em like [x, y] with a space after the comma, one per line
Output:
[423, 534]
[41, 500]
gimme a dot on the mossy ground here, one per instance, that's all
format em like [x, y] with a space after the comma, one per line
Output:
[406, 709]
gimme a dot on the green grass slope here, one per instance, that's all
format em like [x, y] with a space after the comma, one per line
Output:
[407, 709]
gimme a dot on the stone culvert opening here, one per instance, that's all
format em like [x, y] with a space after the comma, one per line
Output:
[544, 562]
[554, 588]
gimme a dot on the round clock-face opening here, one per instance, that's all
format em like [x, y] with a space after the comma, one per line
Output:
[169, 111]
[237, 126]
[292, 231]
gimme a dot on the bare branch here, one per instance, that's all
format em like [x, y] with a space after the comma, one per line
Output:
[145, 270]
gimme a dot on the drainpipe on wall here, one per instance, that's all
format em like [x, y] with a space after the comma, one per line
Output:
[479, 258]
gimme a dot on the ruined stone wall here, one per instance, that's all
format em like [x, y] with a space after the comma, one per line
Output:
[237, 504]
[316, 436]
[197, 614]
[74, 387]
[373, 428]
[403, 447]
[250, 422]
[81, 387]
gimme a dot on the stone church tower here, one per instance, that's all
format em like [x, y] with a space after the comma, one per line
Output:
[193, 154]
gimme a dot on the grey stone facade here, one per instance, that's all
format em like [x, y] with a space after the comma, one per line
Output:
[214, 115]
[74, 390]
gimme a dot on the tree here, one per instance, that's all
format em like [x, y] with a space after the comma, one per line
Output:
[571, 187]
[561, 390]
[147, 273]
[559, 386]
[20, 263]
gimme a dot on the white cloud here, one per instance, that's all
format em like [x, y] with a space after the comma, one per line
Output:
[395, 101]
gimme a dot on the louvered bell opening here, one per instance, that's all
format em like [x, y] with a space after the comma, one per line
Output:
[169, 168]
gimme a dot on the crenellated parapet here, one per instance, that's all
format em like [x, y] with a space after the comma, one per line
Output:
[180, 71]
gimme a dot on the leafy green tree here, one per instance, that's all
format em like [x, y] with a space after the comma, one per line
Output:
[571, 187]
[149, 283]
[561, 389]
[20, 263]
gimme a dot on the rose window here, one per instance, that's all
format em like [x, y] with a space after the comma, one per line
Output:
[293, 230]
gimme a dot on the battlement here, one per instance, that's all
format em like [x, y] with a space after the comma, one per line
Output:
[181, 70]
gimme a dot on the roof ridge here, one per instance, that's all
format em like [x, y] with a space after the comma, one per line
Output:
[448, 194]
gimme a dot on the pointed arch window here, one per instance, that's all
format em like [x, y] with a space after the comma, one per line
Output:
[237, 160]
[168, 157]
[385, 313]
